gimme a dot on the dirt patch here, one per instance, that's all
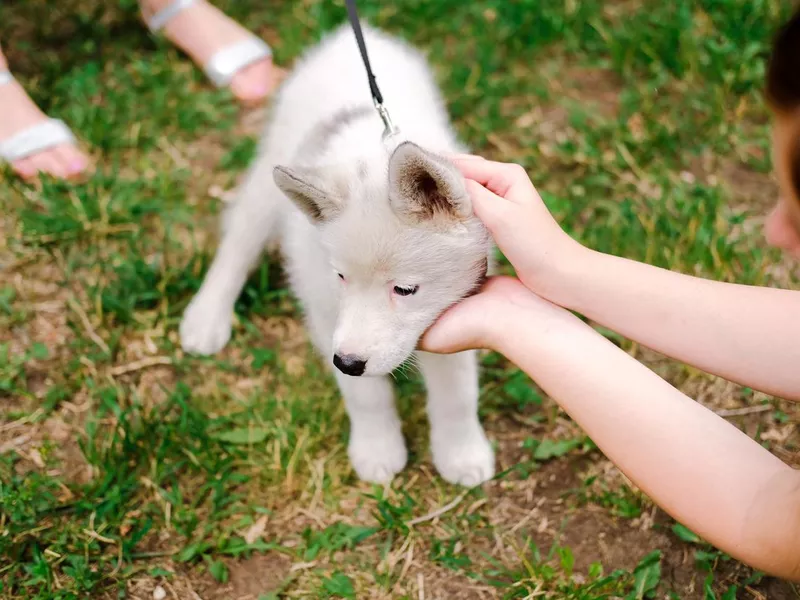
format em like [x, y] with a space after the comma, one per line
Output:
[756, 190]
[752, 193]
[748, 188]
[595, 87]
[249, 578]
[550, 513]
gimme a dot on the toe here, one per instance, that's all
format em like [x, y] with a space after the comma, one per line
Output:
[24, 168]
[48, 162]
[71, 159]
[254, 82]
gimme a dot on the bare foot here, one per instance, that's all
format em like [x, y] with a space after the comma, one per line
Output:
[19, 113]
[201, 30]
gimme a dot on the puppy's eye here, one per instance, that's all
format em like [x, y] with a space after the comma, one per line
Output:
[406, 290]
[341, 276]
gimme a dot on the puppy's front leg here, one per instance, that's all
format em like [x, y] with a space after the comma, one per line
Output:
[206, 324]
[461, 452]
[248, 225]
[377, 449]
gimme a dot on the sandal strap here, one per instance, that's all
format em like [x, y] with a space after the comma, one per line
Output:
[34, 139]
[165, 15]
[5, 77]
[225, 63]
[221, 67]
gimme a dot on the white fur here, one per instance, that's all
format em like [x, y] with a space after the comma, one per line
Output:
[375, 234]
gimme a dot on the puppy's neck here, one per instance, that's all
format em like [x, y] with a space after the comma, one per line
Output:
[348, 135]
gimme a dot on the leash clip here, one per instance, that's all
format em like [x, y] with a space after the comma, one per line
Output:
[389, 128]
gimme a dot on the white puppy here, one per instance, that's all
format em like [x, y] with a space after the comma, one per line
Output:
[378, 237]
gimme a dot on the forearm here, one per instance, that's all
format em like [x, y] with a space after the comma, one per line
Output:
[696, 466]
[749, 335]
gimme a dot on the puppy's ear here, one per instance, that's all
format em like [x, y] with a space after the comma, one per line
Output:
[425, 187]
[310, 190]
[783, 72]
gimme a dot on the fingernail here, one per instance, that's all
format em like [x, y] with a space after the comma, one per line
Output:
[77, 165]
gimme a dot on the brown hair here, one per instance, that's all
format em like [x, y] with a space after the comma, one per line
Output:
[783, 95]
[794, 161]
[783, 74]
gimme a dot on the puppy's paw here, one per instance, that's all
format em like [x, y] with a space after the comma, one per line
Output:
[377, 456]
[463, 457]
[205, 327]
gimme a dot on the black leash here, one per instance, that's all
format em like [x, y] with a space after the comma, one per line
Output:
[377, 97]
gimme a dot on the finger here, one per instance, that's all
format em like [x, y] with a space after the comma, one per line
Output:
[487, 206]
[444, 337]
[484, 170]
[457, 156]
[464, 325]
[508, 180]
[434, 341]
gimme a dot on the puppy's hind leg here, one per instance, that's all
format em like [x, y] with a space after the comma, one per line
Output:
[461, 452]
[248, 226]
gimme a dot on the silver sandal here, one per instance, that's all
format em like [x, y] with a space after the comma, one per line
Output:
[225, 63]
[33, 139]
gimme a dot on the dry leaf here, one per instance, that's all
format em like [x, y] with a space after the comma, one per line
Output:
[256, 530]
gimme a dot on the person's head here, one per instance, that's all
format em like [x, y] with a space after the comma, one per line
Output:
[783, 95]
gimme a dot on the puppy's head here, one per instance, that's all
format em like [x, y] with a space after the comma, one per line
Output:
[403, 245]
[783, 96]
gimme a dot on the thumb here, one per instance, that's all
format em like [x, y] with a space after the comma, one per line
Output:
[488, 206]
[447, 335]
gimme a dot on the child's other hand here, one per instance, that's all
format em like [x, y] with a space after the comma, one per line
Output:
[504, 198]
[493, 319]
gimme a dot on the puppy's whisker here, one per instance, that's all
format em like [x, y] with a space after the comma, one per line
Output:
[409, 365]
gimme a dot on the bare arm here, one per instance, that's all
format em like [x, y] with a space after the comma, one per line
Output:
[695, 465]
[746, 334]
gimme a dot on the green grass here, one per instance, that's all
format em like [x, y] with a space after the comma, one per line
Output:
[126, 465]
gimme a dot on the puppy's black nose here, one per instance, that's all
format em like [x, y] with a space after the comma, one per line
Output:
[349, 364]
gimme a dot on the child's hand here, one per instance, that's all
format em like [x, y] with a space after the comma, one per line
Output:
[490, 319]
[505, 200]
